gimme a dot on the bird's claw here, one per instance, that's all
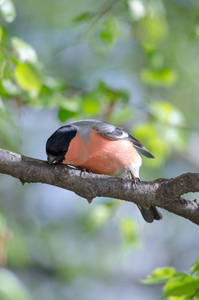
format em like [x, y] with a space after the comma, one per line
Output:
[135, 180]
[84, 171]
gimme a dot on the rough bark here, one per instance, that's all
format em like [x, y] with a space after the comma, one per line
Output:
[164, 193]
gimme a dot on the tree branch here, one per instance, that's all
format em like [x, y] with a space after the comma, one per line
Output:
[164, 193]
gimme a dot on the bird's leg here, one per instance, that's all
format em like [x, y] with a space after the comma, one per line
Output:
[84, 171]
[134, 179]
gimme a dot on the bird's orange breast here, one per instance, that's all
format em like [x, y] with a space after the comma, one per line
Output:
[77, 151]
[101, 155]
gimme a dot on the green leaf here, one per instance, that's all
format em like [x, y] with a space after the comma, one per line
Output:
[129, 231]
[196, 297]
[113, 94]
[10, 87]
[3, 62]
[151, 136]
[54, 83]
[2, 108]
[72, 104]
[163, 77]
[64, 114]
[170, 120]
[153, 30]
[25, 52]
[179, 298]
[167, 113]
[11, 288]
[180, 284]
[106, 36]
[100, 215]
[28, 77]
[58, 100]
[18, 252]
[7, 10]
[195, 267]
[91, 103]
[109, 32]
[159, 275]
[83, 17]
[1, 32]
[5, 69]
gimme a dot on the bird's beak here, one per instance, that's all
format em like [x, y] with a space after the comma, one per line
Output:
[51, 159]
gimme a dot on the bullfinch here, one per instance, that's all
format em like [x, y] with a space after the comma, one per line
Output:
[102, 148]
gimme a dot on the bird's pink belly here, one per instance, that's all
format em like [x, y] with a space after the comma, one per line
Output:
[102, 166]
[101, 155]
[110, 157]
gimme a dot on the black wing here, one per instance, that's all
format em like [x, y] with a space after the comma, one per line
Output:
[140, 147]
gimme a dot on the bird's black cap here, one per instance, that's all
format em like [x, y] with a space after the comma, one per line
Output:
[58, 143]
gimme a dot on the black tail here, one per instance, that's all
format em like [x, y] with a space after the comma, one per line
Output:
[150, 214]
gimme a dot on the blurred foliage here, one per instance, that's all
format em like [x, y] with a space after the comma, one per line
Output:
[7, 10]
[25, 80]
[5, 236]
[130, 233]
[11, 288]
[168, 125]
[80, 59]
[179, 285]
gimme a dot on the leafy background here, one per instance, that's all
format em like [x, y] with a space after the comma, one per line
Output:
[133, 63]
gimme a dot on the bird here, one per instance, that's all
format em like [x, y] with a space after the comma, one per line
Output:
[102, 148]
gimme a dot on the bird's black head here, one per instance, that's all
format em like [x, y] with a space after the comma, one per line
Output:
[58, 143]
